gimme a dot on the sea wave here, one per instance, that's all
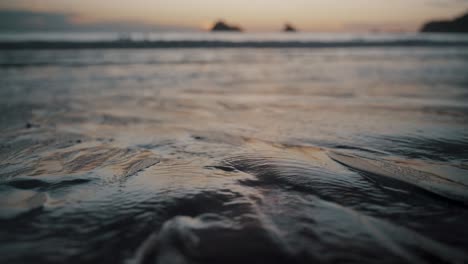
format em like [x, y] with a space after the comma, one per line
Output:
[123, 44]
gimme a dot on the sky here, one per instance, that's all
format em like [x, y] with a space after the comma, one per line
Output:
[251, 15]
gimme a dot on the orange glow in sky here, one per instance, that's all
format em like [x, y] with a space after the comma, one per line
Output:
[256, 15]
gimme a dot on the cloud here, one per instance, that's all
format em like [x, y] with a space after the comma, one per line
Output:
[446, 3]
[20, 21]
[26, 20]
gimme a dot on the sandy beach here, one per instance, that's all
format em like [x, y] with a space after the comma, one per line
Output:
[229, 155]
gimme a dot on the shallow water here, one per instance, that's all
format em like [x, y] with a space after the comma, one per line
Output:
[234, 155]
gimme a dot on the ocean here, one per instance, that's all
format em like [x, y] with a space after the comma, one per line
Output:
[233, 148]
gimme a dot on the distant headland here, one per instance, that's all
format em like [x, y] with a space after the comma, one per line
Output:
[289, 28]
[223, 26]
[457, 25]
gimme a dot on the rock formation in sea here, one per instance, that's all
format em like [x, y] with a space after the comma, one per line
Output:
[457, 25]
[289, 28]
[223, 26]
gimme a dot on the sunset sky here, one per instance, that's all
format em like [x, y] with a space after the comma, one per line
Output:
[252, 15]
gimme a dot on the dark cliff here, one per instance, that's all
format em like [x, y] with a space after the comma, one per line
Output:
[457, 25]
[222, 26]
[289, 28]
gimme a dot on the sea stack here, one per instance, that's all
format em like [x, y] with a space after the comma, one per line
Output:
[223, 26]
[289, 28]
[457, 25]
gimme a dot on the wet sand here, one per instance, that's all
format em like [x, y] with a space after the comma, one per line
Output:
[229, 156]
